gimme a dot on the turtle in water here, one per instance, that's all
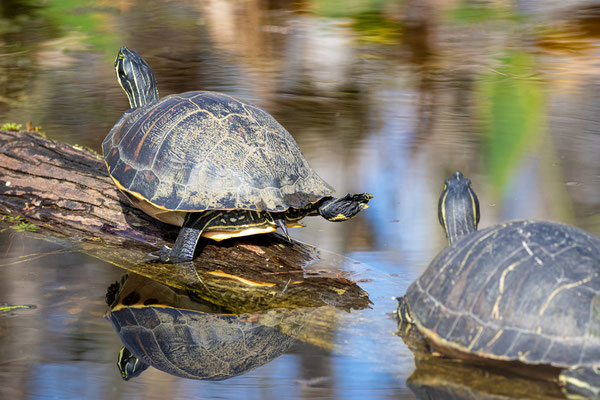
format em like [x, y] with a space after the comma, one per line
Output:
[522, 294]
[215, 165]
[185, 336]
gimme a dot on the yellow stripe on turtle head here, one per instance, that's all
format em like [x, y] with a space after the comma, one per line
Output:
[339, 217]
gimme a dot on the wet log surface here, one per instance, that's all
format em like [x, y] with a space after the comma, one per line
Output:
[62, 191]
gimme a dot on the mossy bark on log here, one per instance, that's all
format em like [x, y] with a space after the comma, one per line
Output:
[66, 192]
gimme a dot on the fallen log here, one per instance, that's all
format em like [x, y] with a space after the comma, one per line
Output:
[63, 191]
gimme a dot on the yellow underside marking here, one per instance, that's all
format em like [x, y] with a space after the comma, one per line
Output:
[248, 282]
[222, 235]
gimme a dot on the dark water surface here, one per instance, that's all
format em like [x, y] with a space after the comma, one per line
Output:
[382, 96]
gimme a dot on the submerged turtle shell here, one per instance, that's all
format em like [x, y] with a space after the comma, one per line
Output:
[524, 291]
[198, 345]
[199, 151]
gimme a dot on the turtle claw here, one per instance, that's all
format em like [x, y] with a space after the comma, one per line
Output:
[163, 255]
[281, 223]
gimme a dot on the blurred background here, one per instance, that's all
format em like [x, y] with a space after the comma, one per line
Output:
[388, 97]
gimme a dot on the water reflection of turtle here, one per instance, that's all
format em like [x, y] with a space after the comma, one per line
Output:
[518, 294]
[449, 378]
[186, 337]
[213, 164]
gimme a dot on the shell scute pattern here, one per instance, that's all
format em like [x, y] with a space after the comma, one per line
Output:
[147, 180]
[217, 104]
[205, 150]
[197, 345]
[522, 290]
[145, 136]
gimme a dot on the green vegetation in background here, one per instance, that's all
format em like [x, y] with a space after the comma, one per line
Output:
[511, 103]
[469, 13]
[11, 126]
[87, 17]
[19, 224]
[368, 17]
[347, 8]
[374, 27]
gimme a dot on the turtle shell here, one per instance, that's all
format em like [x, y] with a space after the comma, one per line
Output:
[522, 291]
[198, 345]
[199, 151]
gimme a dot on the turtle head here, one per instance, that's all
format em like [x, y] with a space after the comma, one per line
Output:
[136, 78]
[458, 209]
[129, 365]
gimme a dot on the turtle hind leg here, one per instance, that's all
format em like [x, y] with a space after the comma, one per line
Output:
[581, 382]
[185, 245]
[344, 208]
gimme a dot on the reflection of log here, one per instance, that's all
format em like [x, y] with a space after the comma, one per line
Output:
[65, 192]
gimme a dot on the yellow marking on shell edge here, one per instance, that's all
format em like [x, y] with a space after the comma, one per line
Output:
[134, 194]
[339, 217]
[119, 306]
[560, 289]
[248, 282]
[141, 197]
[435, 338]
[496, 337]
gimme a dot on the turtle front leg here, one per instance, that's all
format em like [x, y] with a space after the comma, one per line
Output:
[344, 208]
[185, 245]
